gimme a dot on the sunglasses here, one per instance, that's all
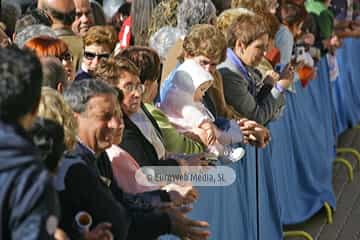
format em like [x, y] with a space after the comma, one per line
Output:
[91, 56]
[66, 57]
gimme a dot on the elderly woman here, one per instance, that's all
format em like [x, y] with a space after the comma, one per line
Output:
[125, 167]
[148, 62]
[45, 46]
[140, 127]
[189, 14]
[245, 51]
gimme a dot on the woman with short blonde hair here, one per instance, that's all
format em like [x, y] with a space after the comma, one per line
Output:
[53, 106]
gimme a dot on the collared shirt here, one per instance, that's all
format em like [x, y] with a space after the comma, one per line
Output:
[242, 68]
[86, 146]
[148, 130]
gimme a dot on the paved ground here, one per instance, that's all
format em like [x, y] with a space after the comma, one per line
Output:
[346, 219]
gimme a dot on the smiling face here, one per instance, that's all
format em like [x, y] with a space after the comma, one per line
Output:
[133, 89]
[99, 123]
[84, 18]
[252, 54]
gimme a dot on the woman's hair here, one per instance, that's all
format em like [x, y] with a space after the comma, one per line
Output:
[292, 13]
[141, 12]
[45, 46]
[109, 70]
[206, 40]
[146, 60]
[53, 106]
[253, 5]
[192, 12]
[271, 22]
[101, 35]
[246, 29]
[227, 17]
[163, 15]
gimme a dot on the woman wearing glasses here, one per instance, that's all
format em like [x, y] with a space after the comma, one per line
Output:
[99, 43]
[45, 46]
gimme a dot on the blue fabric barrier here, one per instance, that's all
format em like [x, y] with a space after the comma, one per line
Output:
[346, 94]
[302, 150]
[289, 181]
[237, 212]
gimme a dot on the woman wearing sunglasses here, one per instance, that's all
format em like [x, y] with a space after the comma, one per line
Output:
[99, 43]
[45, 46]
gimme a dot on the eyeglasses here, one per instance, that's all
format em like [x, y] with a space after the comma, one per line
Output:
[133, 87]
[91, 56]
[66, 57]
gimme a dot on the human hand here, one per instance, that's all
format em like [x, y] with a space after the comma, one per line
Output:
[254, 133]
[272, 76]
[185, 227]
[100, 232]
[182, 195]
[286, 77]
[209, 128]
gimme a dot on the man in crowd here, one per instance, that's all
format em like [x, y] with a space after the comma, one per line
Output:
[62, 14]
[84, 17]
[98, 114]
[54, 74]
[27, 198]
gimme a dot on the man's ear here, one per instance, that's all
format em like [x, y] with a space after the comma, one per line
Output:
[60, 87]
[239, 46]
[76, 115]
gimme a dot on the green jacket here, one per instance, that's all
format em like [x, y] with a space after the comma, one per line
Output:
[175, 142]
[324, 17]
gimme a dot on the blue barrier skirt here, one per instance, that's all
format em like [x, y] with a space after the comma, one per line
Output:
[290, 180]
[302, 150]
[346, 95]
[236, 211]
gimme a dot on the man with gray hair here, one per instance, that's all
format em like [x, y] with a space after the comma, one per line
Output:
[82, 186]
[54, 73]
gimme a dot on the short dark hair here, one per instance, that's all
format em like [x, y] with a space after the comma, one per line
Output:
[146, 60]
[53, 72]
[293, 13]
[255, 28]
[48, 137]
[20, 83]
[79, 93]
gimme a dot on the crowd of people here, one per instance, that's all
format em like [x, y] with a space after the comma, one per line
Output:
[92, 91]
